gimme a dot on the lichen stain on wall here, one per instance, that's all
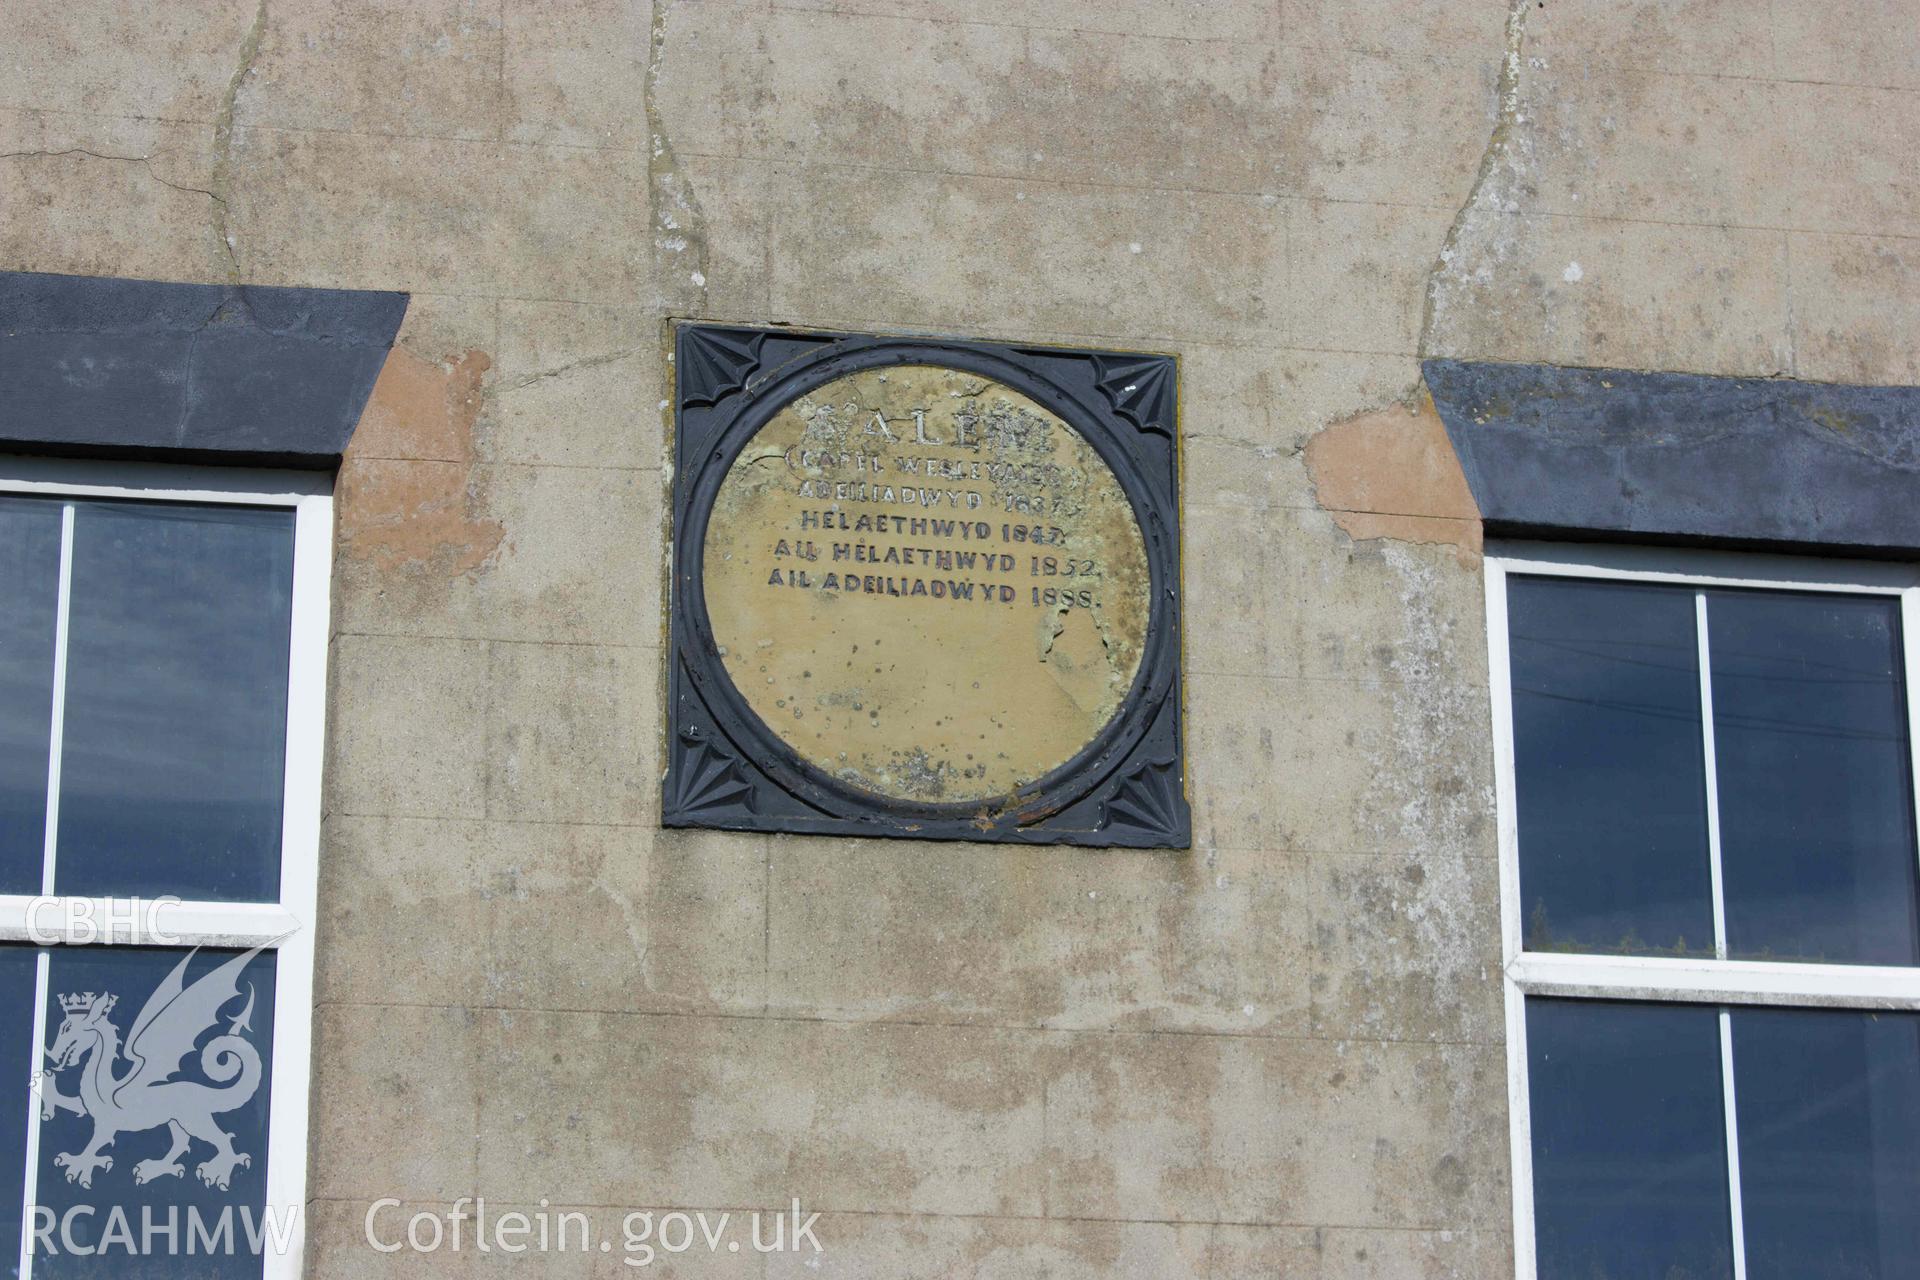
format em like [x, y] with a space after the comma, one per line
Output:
[1467, 296]
[1392, 473]
[1389, 479]
[406, 499]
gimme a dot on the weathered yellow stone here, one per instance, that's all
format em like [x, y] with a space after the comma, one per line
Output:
[928, 585]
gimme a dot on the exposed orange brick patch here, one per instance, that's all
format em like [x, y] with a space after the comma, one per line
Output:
[422, 409]
[406, 499]
[1392, 473]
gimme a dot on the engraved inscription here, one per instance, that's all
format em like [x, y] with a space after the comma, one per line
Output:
[928, 585]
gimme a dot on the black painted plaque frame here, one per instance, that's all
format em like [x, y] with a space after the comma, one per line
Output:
[725, 768]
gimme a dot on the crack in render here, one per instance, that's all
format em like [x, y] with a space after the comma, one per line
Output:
[145, 162]
[679, 225]
[223, 140]
[1493, 189]
[1264, 449]
[561, 371]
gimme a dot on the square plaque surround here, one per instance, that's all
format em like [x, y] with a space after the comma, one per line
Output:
[838, 490]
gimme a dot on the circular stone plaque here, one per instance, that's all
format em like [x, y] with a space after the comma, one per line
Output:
[927, 585]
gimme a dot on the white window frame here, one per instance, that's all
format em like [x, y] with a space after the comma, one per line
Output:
[285, 927]
[1660, 979]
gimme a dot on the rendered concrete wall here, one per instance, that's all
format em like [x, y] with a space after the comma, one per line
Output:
[1279, 1054]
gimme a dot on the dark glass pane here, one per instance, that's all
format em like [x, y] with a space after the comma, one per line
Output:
[1816, 789]
[30, 586]
[1829, 1108]
[1608, 767]
[16, 1068]
[1629, 1141]
[218, 1038]
[176, 702]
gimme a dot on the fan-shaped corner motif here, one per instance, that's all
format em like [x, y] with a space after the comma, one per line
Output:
[715, 362]
[706, 783]
[1140, 388]
[1148, 800]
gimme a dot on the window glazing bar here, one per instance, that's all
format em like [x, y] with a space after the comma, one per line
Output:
[56, 737]
[153, 922]
[1910, 680]
[1713, 775]
[30, 1184]
[1733, 1147]
[1703, 981]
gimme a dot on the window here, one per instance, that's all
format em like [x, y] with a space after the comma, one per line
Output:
[1710, 900]
[162, 692]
